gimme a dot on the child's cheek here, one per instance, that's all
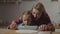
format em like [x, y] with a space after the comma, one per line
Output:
[25, 22]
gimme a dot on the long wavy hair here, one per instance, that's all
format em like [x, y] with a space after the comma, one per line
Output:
[39, 6]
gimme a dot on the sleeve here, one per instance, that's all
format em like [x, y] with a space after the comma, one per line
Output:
[49, 23]
[19, 20]
[46, 18]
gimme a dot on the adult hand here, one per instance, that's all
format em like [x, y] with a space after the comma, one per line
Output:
[43, 27]
[51, 27]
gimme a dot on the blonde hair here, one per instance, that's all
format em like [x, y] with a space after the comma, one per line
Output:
[39, 6]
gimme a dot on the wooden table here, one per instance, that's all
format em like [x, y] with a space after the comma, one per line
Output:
[55, 32]
[6, 31]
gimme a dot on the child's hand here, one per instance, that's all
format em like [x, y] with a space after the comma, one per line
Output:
[13, 25]
[43, 27]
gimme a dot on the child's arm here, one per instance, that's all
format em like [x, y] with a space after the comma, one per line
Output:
[15, 22]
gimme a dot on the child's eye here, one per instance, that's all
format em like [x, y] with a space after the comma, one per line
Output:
[25, 20]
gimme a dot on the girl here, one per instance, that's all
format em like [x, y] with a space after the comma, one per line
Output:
[41, 18]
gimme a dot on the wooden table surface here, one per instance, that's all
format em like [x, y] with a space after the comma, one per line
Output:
[55, 32]
[6, 31]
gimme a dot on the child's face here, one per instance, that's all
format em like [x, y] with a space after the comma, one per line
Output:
[27, 19]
